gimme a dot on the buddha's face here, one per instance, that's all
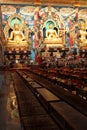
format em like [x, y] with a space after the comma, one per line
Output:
[50, 26]
[16, 26]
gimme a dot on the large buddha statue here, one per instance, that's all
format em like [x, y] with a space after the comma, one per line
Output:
[52, 36]
[83, 34]
[51, 33]
[17, 36]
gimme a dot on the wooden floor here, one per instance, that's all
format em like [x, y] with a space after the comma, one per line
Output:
[32, 115]
[9, 119]
[41, 104]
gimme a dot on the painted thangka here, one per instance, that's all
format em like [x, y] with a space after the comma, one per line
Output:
[68, 20]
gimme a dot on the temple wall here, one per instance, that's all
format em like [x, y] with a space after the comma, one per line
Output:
[35, 16]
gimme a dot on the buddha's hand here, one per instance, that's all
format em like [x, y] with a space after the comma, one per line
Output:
[18, 41]
[8, 38]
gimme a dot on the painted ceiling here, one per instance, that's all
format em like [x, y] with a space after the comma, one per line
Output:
[47, 2]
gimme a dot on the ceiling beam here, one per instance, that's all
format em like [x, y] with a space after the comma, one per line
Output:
[47, 2]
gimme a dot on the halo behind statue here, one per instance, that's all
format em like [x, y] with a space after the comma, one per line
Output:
[50, 23]
[16, 19]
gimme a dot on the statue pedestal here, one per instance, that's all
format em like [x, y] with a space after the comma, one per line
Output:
[17, 44]
[53, 42]
[54, 45]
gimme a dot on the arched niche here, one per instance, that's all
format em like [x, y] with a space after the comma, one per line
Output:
[46, 27]
[16, 18]
[10, 25]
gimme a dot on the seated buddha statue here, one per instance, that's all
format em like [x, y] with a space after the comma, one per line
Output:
[17, 36]
[52, 36]
[83, 35]
[51, 33]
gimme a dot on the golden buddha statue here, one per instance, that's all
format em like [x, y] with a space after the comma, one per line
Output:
[83, 33]
[17, 36]
[52, 37]
[51, 33]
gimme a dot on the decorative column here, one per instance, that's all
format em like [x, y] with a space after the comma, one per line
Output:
[70, 29]
[36, 25]
[37, 34]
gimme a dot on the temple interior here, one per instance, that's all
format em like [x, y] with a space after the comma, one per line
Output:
[43, 65]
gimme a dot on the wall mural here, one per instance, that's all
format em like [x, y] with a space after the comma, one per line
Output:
[69, 23]
[2, 39]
